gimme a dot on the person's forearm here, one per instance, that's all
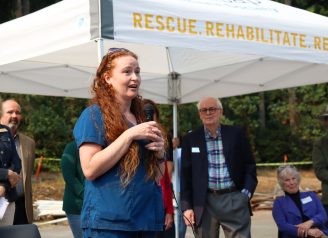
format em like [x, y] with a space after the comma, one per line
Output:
[96, 162]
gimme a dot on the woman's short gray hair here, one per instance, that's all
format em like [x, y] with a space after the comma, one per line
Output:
[286, 169]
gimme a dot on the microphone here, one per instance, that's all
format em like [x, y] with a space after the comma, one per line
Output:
[149, 111]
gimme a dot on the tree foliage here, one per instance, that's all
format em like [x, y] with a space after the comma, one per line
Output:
[49, 120]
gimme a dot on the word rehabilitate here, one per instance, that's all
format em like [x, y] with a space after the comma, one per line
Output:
[223, 30]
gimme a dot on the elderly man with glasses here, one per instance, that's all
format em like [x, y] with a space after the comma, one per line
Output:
[320, 160]
[218, 176]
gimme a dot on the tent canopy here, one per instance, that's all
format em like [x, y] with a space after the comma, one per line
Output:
[187, 48]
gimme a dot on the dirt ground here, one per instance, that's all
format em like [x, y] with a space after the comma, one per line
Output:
[50, 186]
[268, 182]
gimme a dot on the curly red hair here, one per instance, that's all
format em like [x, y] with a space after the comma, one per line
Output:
[114, 121]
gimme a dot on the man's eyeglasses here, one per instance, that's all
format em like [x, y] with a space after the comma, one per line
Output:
[209, 110]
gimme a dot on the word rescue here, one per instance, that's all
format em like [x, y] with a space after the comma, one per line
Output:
[222, 30]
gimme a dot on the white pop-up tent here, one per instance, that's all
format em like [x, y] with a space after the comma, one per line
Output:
[195, 47]
[187, 48]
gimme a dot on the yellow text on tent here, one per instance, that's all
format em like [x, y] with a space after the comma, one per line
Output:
[222, 30]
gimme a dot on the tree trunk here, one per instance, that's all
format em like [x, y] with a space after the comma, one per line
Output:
[292, 107]
[26, 7]
[22, 7]
[262, 110]
[292, 97]
[18, 8]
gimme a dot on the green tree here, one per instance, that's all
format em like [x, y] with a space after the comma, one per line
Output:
[50, 131]
[49, 120]
[11, 9]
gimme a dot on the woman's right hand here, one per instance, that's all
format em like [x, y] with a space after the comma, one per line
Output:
[145, 131]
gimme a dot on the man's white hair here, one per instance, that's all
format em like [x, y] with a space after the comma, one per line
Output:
[218, 102]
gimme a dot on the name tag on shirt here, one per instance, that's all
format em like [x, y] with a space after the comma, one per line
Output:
[195, 150]
[3, 130]
[306, 200]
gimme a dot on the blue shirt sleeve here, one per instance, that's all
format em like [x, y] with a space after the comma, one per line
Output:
[320, 217]
[90, 128]
[280, 217]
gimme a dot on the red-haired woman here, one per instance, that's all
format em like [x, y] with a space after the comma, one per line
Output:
[121, 155]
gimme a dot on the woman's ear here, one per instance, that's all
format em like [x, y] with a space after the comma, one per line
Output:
[108, 79]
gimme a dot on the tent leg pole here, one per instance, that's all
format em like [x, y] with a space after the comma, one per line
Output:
[175, 161]
[100, 49]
